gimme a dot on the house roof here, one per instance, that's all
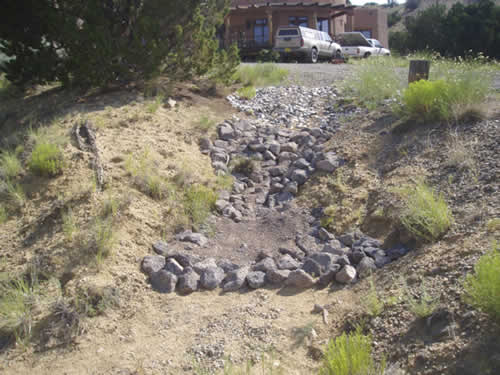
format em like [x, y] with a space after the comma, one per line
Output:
[292, 4]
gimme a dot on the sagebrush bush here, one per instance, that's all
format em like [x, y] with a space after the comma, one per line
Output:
[10, 166]
[199, 203]
[350, 354]
[260, 75]
[482, 288]
[427, 216]
[46, 160]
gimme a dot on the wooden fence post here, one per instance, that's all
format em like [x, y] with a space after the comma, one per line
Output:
[419, 69]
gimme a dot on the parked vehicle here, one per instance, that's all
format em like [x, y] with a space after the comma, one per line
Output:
[305, 43]
[354, 44]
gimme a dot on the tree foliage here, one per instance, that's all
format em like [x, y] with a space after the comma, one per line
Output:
[461, 31]
[97, 42]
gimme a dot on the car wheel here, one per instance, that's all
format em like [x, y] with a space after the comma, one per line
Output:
[338, 54]
[366, 55]
[314, 55]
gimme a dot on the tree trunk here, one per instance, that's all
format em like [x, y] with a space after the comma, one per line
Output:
[419, 69]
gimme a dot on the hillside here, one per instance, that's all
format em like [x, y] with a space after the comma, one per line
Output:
[298, 177]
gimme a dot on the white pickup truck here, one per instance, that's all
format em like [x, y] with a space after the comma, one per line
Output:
[354, 44]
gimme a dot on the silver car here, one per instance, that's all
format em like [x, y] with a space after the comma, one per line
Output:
[305, 43]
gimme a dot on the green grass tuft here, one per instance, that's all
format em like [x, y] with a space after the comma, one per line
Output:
[12, 194]
[10, 166]
[204, 124]
[482, 288]
[199, 203]
[104, 238]
[427, 215]
[350, 355]
[422, 305]
[374, 306]
[260, 75]
[46, 160]
[247, 92]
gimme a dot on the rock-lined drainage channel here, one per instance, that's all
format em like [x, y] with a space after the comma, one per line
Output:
[275, 158]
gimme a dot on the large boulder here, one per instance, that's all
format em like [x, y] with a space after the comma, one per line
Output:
[299, 176]
[196, 238]
[346, 275]
[211, 278]
[324, 259]
[161, 248]
[300, 279]
[235, 279]
[152, 264]
[329, 163]
[329, 275]
[188, 282]
[311, 267]
[164, 281]
[204, 264]
[264, 265]
[173, 266]
[225, 132]
[365, 267]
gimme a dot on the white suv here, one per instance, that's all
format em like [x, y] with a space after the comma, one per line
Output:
[306, 43]
[354, 44]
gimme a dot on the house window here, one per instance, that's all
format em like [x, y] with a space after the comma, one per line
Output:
[261, 31]
[298, 21]
[324, 25]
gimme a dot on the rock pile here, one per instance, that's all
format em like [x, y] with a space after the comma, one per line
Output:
[343, 260]
[293, 106]
[270, 160]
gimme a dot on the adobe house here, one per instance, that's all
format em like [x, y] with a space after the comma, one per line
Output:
[372, 22]
[252, 23]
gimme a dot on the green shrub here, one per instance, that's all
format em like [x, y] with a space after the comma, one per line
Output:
[427, 100]
[427, 215]
[260, 75]
[199, 202]
[482, 288]
[46, 160]
[244, 166]
[247, 92]
[350, 355]
[10, 166]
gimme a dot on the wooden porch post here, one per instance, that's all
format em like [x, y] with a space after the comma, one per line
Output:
[315, 20]
[269, 14]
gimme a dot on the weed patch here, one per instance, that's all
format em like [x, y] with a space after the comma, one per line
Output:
[153, 106]
[46, 160]
[68, 224]
[244, 166]
[205, 124]
[349, 355]
[422, 305]
[374, 306]
[144, 171]
[10, 166]
[12, 194]
[427, 215]
[482, 288]
[103, 238]
[260, 75]
[199, 203]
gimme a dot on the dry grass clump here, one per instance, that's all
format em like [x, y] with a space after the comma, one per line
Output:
[459, 153]
[143, 168]
[10, 166]
[260, 75]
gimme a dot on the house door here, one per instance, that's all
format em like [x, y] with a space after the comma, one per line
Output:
[261, 32]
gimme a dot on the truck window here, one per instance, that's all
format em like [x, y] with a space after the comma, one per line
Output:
[288, 32]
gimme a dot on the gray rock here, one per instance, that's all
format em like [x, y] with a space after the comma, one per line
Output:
[227, 265]
[275, 188]
[325, 260]
[289, 147]
[324, 235]
[152, 264]
[232, 213]
[220, 166]
[277, 171]
[329, 275]
[220, 205]
[347, 239]
[295, 254]
[277, 277]
[365, 267]
[286, 156]
[173, 266]
[201, 266]
[335, 250]
[235, 279]
[301, 163]
[185, 260]
[211, 278]
[256, 279]
[268, 155]
[265, 265]
[381, 261]
[161, 248]
[275, 148]
[343, 260]
[286, 262]
[346, 275]
[205, 144]
[226, 132]
[292, 188]
[299, 279]
[224, 195]
[188, 282]
[299, 176]
[329, 163]
[164, 281]
[311, 267]
[220, 157]
[357, 256]
[238, 187]
[196, 238]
